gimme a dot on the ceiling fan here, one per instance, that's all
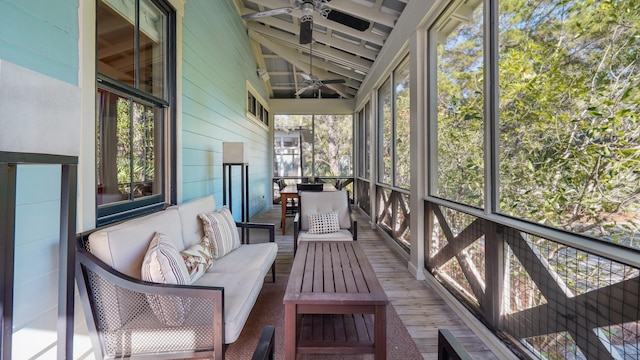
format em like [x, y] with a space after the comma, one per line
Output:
[310, 82]
[308, 7]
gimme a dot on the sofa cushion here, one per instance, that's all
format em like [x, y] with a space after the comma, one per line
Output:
[198, 258]
[163, 264]
[241, 289]
[340, 235]
[248, 257]
[123, 246]
[220, 227]
[190, 224]
[323, 223]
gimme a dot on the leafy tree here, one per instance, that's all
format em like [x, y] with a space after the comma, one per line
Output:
[568, 111]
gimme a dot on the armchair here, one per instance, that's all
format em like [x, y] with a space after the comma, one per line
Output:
[314, 203]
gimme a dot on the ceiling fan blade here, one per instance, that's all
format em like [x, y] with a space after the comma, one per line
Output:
[301, 90]
[306, 77]
[348, 20]
[305, 31]
[274, 12]
[333, 81]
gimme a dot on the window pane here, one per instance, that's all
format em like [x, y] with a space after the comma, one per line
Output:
[402, 125]
[386, 135]
[333, 145]
[569, 105]
[460, 109]
[367, 143]
[152, 49]
[115, 44]
[126, 154]
[143, 147]
[288, 146]
[113, 152]
[362, 140]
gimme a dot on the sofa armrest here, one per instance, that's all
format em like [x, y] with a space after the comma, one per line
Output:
[247, 226]
[265, 347]
[117, 305]
[296, 231]
[450, 348]
[354, 226]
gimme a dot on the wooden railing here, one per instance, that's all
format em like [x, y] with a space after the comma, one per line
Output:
[561, 295]
[9, 162]
[393, 213]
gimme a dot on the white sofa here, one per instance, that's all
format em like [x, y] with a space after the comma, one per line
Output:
[217, 305]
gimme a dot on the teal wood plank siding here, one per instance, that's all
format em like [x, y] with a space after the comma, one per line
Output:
[41, 35]
[217, 62]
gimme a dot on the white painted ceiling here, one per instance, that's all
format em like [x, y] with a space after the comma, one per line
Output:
[339, 51]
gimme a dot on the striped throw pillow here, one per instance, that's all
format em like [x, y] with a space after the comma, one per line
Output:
[163, 264]
[221, 229]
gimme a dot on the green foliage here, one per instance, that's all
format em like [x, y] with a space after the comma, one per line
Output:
[568, 114]
[326, 141]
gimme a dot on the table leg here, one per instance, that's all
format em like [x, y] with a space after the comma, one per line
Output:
[290, 331]
[380, 332]
[283, 206]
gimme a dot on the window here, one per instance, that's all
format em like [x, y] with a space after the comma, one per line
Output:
[313, 145]
[134, 60]
[394, 125]
[364, 138]
[460, 105]
[386, 132]
[256, 109]
[568, 109]
[402, 126]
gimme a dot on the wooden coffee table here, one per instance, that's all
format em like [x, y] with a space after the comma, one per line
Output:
[334, 302]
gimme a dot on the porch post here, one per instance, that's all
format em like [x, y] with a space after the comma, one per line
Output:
[418, 157]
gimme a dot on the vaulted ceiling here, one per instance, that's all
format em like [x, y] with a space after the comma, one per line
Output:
[347, 36]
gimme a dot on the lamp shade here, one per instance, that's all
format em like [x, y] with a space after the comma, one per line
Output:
[234, 153]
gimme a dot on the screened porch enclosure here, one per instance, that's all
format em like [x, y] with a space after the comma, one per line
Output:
[492, 145]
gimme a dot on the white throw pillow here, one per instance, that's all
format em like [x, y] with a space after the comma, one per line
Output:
[198, 259]
[324, 223]
[163, 264]
[220, 228]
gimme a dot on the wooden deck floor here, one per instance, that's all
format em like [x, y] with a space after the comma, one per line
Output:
[421, 309]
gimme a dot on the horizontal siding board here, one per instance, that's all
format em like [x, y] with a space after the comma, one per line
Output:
[36, 338]
[37, 221]
[192, 157]
[35, 298]
[57, 13]
[217, 61]
[50, 44]
[38, 183]
[201, 173]
[44, 250]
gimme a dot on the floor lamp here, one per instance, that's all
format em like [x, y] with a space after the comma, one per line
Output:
[235, 154]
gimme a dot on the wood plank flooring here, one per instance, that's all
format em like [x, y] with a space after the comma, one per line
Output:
[421, 309]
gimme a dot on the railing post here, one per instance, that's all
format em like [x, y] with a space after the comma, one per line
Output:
[66, 273]
[7, 249]
[494, 272]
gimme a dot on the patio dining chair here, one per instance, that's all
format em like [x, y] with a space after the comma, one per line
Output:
[324, 216]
